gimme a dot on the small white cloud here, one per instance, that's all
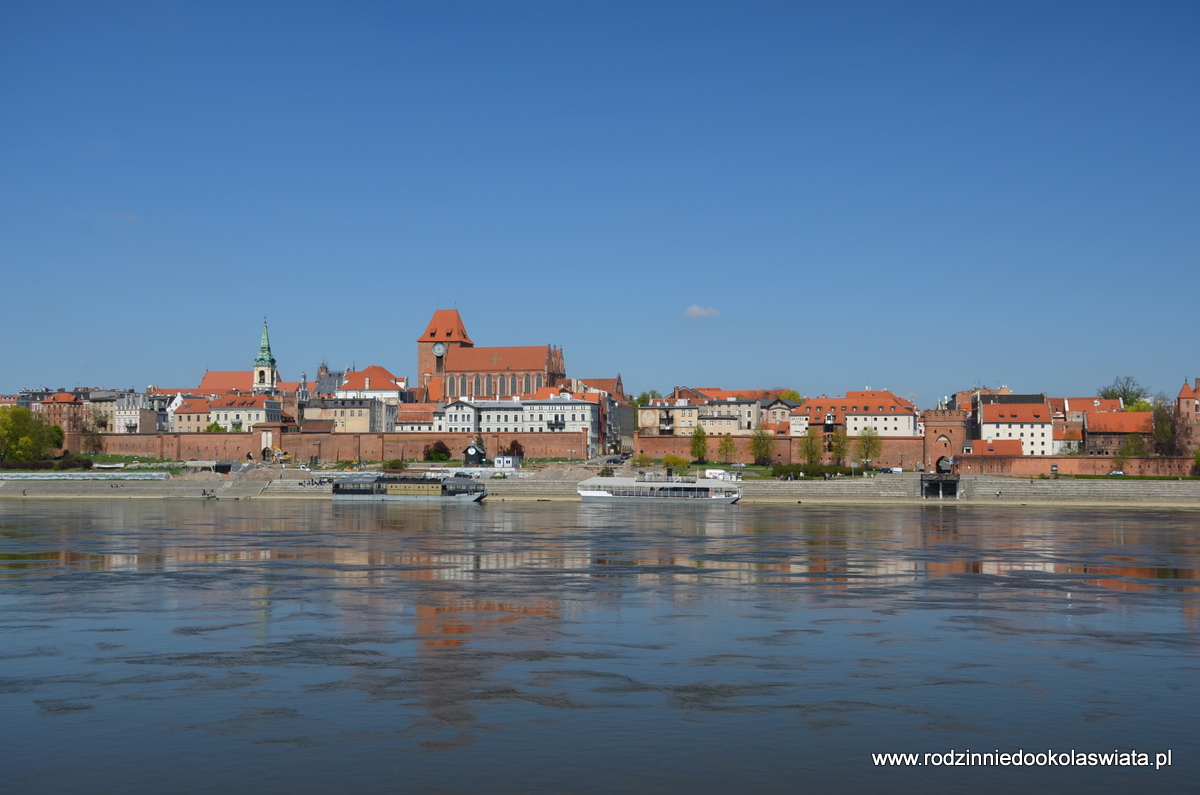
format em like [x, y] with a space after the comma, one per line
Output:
[695, 310]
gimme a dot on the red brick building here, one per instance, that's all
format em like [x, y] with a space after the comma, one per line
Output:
[449, 365]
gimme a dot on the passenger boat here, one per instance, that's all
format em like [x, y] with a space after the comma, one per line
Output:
[660, 489]
[378, 487]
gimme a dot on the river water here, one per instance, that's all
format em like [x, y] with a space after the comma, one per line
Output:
[297, 646]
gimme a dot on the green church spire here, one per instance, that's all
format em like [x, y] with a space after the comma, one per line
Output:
[264, 358]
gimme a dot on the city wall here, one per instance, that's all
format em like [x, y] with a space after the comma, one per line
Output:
[328, 446]
[1026, 465]
[903, 452]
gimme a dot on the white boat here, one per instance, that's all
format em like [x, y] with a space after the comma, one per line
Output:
[376, 487]
[659, 489]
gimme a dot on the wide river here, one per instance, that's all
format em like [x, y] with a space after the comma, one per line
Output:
[295, 647]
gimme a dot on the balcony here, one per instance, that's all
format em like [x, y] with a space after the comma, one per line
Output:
[556, 425]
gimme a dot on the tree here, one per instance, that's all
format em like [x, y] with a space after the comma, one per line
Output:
[839, 445]
[674, 461]
[479, 445]
[1196, 459]
[762, 445]
[1170, 437]
[1134, 446]
[438, 451]
[792, 395]
[645, 398]
[514, 448]
[93, 441]
[727, 450]
[699, 445]
[215, 427]
[869, 445]
[812, 447]
[642, 460]
[25, 436]
[1124, 388]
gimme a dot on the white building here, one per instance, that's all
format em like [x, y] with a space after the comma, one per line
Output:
[1031, 423]
[888, 413]
[555, 414]
[238, 414]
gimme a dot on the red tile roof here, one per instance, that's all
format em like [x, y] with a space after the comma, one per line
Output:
[608, 385]
[865, 395]
[1068, 434]
[193, 406]
[247, 402]
[996, 446]
[1016, 412]
[219, 382]
[1086, 404]
[61, 397]
[495, 360]
[446, 324]
[380, 379]
[1186, 392]
[1120, 422]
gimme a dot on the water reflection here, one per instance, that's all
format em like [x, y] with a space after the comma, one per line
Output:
[706, 642]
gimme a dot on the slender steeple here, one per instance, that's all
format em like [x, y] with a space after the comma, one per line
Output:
[266, 377]
[264, 358]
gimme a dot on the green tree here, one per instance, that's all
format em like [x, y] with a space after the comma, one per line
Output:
[699, 445]
[762, 445]
[215, 427]
[727, 449]
[676, 462]
[1124, 388]
[839, 445]
[438, 451]
[645, 398]
[642, 460]
[1170, 437]
[869, 445]
[25, 436]
[1134, 446]
[93, 440]
[1196, 460]
[812, 447]
[792, 395]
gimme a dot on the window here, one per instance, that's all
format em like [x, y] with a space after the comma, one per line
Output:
[488, 386]
[527, 385]
[512, 383]
[539, 381]
[477, 387]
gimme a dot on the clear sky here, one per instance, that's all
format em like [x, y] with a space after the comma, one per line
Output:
[914, 196]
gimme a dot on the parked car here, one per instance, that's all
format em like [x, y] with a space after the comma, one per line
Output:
[1117, 472]
[737, 466]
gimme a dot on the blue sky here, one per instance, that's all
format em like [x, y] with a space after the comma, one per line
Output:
[912, 196]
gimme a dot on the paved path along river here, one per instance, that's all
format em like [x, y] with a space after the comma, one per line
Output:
[298, 646]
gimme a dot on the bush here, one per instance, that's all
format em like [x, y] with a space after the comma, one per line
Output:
[606, 472]
[643, 460]
[71, 462]
[811, 470]
[395, 463]
[438, 451]
[674, 461]
[27, 465]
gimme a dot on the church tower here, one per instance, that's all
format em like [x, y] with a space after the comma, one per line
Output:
[444, 333]
[266, 377]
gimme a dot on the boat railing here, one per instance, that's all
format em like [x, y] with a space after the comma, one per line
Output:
[654, 478]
